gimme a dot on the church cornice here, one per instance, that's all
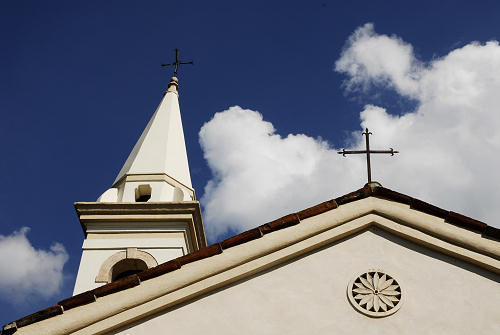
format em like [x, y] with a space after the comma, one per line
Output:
[131, 213]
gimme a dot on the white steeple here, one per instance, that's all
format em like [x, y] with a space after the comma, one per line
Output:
[158, 166]
[149, 215]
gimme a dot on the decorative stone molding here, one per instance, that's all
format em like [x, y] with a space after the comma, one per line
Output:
[375, 293]
[93, 215]
[106, 270]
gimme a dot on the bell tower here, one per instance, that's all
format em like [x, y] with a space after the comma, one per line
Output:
[150, 214]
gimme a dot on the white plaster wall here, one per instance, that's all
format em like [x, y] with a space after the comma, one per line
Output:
[96, 251]
[90, 263]
[163, 255]
[308, 296]
[92, 260]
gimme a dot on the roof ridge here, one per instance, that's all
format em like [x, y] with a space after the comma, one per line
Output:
[249, 235]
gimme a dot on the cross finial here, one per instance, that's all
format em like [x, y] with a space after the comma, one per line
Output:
[177, 62]
[368, 152]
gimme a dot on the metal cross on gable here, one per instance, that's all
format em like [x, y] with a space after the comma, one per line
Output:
[368, 152]
[177, 62]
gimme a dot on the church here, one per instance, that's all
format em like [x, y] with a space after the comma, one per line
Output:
[374, 261]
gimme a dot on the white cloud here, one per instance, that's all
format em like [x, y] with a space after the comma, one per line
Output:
[449, 146]
[383, 59]
[259, 176]
[26, 272]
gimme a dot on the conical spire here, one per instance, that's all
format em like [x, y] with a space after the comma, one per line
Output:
[159, 154]
[161, 147]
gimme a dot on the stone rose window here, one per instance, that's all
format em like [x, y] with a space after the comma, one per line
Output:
[375, 293]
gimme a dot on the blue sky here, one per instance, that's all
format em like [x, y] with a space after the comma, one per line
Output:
[80, 81]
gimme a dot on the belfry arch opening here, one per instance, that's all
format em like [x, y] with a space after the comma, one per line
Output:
[127, 267]
[123, 264]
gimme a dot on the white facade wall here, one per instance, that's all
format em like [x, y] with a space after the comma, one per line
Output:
[442, 295]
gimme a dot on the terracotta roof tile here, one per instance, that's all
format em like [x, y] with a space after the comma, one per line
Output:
[78, 300]
[465, 222]
[318, 209]
[159, 270]
[116, 286]
[40, 315]
[392, 195]
[425, 207]
[208, 251]
[492, 232]
[244, 237]
[283, 222]
[9, 328]
[353, 196]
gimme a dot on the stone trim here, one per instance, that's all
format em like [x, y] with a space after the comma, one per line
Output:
[375, 293]
[105, 271]
[185, 211]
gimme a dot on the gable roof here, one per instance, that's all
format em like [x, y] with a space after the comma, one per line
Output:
[449, 218]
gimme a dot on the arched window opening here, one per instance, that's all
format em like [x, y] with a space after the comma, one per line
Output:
[131, 260]
[127, 267]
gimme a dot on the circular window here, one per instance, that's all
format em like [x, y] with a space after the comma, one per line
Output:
[375, 293]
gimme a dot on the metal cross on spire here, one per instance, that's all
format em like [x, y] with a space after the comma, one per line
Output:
[177, 62]
[368, 152]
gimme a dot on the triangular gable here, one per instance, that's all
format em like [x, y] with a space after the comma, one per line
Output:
[268, 245]
[307, 294]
